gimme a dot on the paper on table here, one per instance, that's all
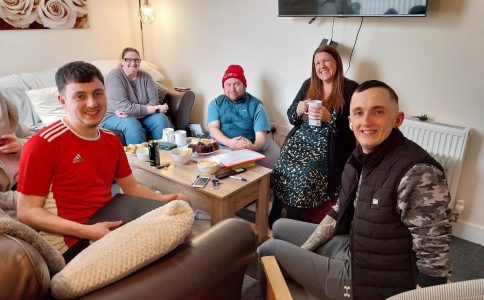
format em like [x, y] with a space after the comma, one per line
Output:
[196, 128]
[238, 157]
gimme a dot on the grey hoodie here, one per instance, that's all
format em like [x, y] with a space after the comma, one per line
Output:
[9, 123]
[8, 116]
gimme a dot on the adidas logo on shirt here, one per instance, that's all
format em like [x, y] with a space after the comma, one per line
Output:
[77, 159]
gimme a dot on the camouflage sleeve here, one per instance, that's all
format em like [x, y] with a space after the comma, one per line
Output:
[423, 203]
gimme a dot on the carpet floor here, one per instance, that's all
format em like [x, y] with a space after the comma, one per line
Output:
[250, 288]
[466, 259]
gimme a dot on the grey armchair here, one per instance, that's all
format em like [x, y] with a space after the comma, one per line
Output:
[180, 105]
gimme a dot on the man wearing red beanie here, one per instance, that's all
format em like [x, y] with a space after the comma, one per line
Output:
[239, 120]
[234, 71]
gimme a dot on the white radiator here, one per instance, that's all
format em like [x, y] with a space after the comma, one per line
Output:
[446, 143]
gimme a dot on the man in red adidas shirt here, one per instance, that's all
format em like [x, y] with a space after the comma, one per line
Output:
[67, 168]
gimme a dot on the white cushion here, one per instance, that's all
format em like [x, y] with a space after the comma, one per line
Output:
[124, 250]
[46, 104]
[153, 71]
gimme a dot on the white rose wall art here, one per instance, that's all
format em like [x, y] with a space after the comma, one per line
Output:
[43, 14]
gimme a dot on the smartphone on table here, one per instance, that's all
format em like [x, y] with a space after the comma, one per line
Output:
[200, 181]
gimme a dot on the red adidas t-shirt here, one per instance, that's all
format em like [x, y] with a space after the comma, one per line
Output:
[81, 171]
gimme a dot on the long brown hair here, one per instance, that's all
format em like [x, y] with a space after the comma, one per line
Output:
[316, 91]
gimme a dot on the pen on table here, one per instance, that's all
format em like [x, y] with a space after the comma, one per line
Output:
[239, 178]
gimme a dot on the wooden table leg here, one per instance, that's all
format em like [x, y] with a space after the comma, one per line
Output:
[218, 211]
[262, 208]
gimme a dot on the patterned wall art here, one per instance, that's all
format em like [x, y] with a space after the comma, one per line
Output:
[43, 14]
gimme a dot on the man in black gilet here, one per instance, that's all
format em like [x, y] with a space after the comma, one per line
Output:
[390, 229]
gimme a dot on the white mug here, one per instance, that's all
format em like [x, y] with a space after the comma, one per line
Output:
[168, 135]
[314, 103]
[180, 138]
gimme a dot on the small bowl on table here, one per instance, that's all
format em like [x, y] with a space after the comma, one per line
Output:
[142, 154]
[208, 166]
[181, 156]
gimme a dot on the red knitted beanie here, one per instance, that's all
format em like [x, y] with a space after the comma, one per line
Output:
[234, 71]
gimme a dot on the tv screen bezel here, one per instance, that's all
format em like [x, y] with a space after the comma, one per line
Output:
[352, 15]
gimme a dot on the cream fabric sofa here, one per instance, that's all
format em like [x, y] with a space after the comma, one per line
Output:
[34, 94]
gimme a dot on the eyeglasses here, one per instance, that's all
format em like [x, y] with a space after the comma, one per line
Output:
[130, 60]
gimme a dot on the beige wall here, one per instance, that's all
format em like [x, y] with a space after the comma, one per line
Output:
[436, 64]
[112, 27]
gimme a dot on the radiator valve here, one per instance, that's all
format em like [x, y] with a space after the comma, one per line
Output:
[459, 206]
[458, 209]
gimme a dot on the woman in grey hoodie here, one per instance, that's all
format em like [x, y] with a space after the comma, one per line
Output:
[13, 136]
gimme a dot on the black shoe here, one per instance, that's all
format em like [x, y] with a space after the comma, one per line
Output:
[275, 213]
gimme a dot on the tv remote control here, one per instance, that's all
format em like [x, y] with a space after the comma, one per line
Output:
[230, 173]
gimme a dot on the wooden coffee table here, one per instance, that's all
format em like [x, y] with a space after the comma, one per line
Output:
[221, 203]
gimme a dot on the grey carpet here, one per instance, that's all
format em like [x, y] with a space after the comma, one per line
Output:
[467, 260]
[250, 288]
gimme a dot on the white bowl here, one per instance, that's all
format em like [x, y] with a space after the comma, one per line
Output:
[143, 154]
[208, 166]
[181, 156]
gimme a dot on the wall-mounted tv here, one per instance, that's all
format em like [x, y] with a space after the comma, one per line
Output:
[352, 8]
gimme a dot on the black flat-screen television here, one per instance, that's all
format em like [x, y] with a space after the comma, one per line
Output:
[352, 8]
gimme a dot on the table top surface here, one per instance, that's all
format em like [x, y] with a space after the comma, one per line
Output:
[186, 174]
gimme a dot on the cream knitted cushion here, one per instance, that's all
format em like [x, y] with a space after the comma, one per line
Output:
[124, 250]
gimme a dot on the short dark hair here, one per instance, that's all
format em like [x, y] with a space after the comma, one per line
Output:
[377, 84]
[78, 72]
[129, 49]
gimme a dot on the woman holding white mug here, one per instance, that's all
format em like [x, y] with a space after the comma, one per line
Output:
[307, 175]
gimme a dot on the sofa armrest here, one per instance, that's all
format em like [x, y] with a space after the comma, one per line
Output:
[24, 273]
[209, 266]
[277, 288]
[180, 106]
